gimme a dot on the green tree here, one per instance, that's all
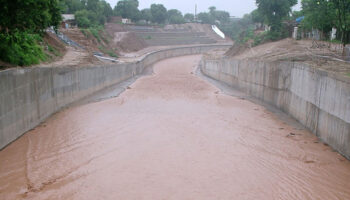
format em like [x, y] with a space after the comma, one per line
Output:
[342, 22]
[71, 6]
[22, 24]
[318, 14]
[189, 17]
[102, 11]
[128, 9]
[175, 17]
[159, 13]
[92, 5]
[107, 9]
[214, 15]
[212, 10]
[206, 18]
[238, 28]
[82, 18]
[222, 16]
[146, 14]
[96, 11]
[29, 15]
[274, 12]
[257, 17]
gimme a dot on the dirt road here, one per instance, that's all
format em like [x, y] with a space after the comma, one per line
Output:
[174, 136]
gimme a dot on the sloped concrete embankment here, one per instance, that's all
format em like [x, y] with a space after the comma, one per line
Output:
[30, 95]
[317, 99]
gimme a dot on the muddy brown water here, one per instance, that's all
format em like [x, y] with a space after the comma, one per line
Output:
[174, 136]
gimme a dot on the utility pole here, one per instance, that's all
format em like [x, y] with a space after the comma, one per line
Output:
[195, 13]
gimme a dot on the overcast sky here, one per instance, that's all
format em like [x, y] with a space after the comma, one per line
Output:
[235, 7]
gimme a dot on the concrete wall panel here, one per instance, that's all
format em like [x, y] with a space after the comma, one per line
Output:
[28, 96]
[317, 99]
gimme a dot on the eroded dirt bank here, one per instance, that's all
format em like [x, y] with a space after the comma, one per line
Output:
[171, 136]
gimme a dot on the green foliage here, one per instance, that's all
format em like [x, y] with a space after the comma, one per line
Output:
[206, 18]
[112, 54]
[82, 17]
[84, 32]
[326, 14]
[53, 50]
[22, 23]
[148, 37]
[275, 11]
[318, 15]
[71, 6]
[29, 15]
[247, 35]
[189, 17]
[87, 12]
[175, 17]
[108, 51]
[235, 28]
[213, 16]
[128, 9]
[221, 16]
[257, 16]
[342, 22]
[95, 32]
[265, 37]
[261, 38]
[146, 14]
[21, 48]
[159, 13]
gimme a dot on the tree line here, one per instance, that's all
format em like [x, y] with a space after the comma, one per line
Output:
[156, 13]
[97, 12]
[322, 15]
[87, 12]
[23, 22]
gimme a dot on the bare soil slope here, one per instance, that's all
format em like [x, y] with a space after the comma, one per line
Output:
[113, 39]
[123, 40]
[177, 34]
[319, 54]
[195, 27]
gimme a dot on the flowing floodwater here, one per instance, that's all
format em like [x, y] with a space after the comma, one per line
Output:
[174, 136]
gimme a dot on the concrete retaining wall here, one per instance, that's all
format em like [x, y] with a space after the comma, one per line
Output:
[317, 99]
[30, 95]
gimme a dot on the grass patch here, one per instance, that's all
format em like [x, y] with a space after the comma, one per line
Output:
[112, 54]
[335, 41]
[53, 50]
[84, 32]
[348, 74]
[95, 31]
[148, 37]
[108, 51]
[106, 40]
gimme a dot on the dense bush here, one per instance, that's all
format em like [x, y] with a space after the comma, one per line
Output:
[21, 48]
[22, 24]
